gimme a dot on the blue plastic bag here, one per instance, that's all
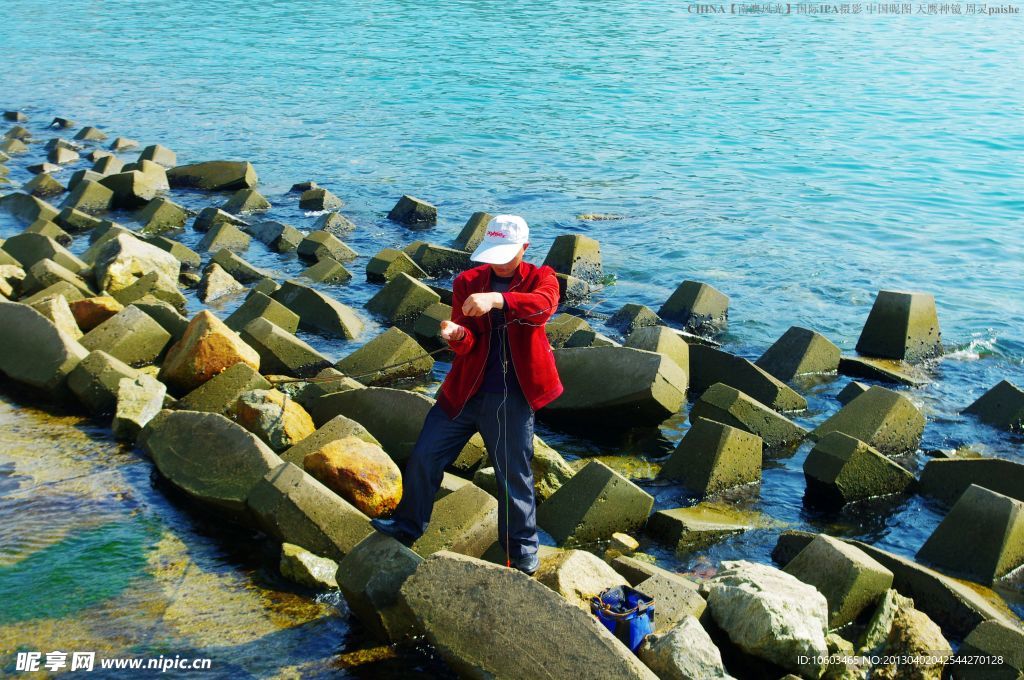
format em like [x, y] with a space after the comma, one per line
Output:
[627, 613]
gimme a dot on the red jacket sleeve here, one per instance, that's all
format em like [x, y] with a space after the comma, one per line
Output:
[536, 306]
[458, 297]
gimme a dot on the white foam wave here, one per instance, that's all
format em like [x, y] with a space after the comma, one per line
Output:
[974, 350]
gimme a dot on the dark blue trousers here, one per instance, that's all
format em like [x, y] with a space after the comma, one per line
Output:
[506, 424]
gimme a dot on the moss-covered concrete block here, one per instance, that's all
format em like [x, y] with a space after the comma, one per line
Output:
[238, 267]
[282, 353]
[427, 327]
[131, 335]
[29, 248]
[338, 427]
[662, 340]
[43, 185]
[886, 420]
[390, 262]
[709, 365]
[1002, 406]
[317, 199]
[258, 305]
[320, 244]
[414, 212]
[220, 392]
[390, 356]
[214, 176]
[849, 578]
[981, 538]
[211, 217]
[852, 390]
[245, 201]
[465, 521]
[576, 255]
[96, 379]
[565, 327]
[327, 270]
[571, 290]
[161, 214]
[401, 300]
[698, 306]
[27, 209]
[632, 316]
[901, 326]
[841, 469]
[438, 260]
[730, 406]
[798, 352]
[130, 190]
[319, 312]
[595, 503]
[947, 478]
[472, 232]
[278, 236]
[713, 457]
[699, 526]
[225, 235]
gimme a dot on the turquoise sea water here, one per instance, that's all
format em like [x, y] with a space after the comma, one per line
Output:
[799, 164]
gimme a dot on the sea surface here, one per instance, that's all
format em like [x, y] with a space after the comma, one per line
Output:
[797, 163]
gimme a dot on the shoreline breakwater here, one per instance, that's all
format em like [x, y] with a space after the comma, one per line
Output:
[287, 403]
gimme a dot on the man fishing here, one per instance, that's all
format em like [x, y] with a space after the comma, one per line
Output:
[502, 373]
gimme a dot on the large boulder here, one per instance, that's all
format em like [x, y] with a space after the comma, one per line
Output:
[465, 521]
[214, 176]
[208, 457]
[699, 526]
[291, 505]
[319, 312]
[617, 385]
[901, 326]
[413, 212]
[848, 577]
[698, 306]
[336, 429]
[798, 352]
[886, 420]
[454, 598]
[282, 353]
[576, 255]
[577, 575]
[915, 648]
[219, 393]
[981, 538]
[402, 299]
[390, 356]
[125, 259]
[131, 335]
[1002, 406]
[734, 408]
[33, 351]
[709, 365]
[841, 469]
[595, 503]
[361, 472]
[207, 348]
[57, 311]
[662, 340]
[947, 478]
[713, 457]
[769, 614]
[272, 416]
[370, 578]
[96, 381]
[675, 598]
[217, 283]
[298, 565]
[685, 652]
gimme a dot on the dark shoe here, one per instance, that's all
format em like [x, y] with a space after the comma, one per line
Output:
[389, 527]
[527, 564]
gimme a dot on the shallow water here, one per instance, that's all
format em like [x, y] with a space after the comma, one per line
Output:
[797, 164]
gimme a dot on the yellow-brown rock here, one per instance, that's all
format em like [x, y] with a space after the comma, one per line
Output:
[360, 472]
[274, 417]
[91, 312]
[207, 348]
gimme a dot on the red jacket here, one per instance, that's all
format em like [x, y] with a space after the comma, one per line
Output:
[531, 299]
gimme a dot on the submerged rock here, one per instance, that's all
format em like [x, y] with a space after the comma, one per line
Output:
[901, 326]
[298, 565]
[713, 457]
[771, 615]
[454, 597]
[361, 472]
[699, 526]
[217, 283]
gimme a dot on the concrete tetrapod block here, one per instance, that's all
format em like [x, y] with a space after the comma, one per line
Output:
[699, 526]
[320, 244]
[131, 335]
[131, 190]
[27, 209]
[853, 390]
[291, 505]
[334, 223]
[981, 538]
[257, 305]
[631, 317]
[799, 351]
[413, 212]
[91, 197]
[317, 199]
[45, 273]
[327, 270]
[319, 312]
[389, 263]
[154, 286]
[662, 340]
[992, 639]
[455, 597]
[225, 235]
[393, 348]
[165, 315]
[161, 214]
[282, 353]
[436, 260]
[947, 478]
[217, 283]
[841, 469]
[402, 299]
[593, 504]
[427, 327]
[616, 385]
[139, 400]
[245, 201]
[370, 578]
[28, 249]
[189, 258]
[888, 371]
[713, 457]
[698, 306]
[208, 457]
[34, 352]
[730, 406]
[1002, 406]
[56, 309]
[565, 327]
[211, 217]
[473, 231]
[465, 521]
[709, 366]
[238, 267]
[901, 326]
[96, 379]
[884, 419]
[576, 255]
[220, 392]
[338, 427]
[214, 176]
[849, 579]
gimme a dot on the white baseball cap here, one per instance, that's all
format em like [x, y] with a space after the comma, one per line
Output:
[503, 237]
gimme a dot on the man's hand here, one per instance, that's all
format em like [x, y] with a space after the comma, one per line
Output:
[479, 304]
[451, 331]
